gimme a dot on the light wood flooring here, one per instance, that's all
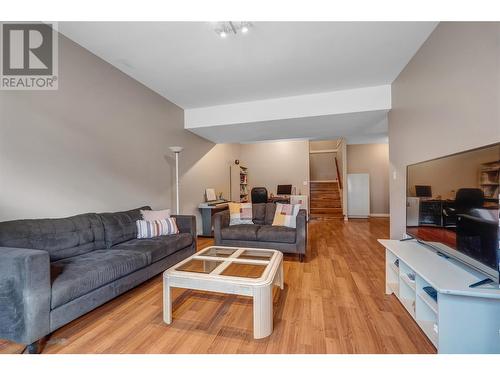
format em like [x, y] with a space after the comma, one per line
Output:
[334, 302]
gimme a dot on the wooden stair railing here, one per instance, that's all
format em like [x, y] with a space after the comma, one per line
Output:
[339, 176]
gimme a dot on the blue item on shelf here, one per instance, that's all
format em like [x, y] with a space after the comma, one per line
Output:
[431, 292]
[411, 276]
[396, 263]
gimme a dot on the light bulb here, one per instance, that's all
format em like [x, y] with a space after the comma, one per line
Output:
[223, 34]
[244, 29]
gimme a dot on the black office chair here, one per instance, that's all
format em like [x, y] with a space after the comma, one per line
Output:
[466, 199]
[259, 195]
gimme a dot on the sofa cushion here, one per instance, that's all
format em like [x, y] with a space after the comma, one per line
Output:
[245, 232]
[120, 226]
[62, 238]
[270, 211]
[76, 276]
[159, 247]
[270, 233]
[259, 213]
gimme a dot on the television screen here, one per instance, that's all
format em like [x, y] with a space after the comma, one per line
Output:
[453, 201]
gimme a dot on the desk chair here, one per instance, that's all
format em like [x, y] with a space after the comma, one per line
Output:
[259, 195]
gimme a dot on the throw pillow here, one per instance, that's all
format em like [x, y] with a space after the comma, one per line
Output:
[286, 215]
[150, 215]
[156, 228]
[240, 213]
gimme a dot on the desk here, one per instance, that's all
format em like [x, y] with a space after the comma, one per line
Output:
[282, 199]
[207, 212]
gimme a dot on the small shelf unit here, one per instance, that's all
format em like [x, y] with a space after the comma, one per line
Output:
[239, 183]
[462, 319]
[489, 179]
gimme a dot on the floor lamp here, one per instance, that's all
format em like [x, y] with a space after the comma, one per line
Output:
[176, 150]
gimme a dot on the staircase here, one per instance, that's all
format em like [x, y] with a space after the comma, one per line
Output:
[326, 202]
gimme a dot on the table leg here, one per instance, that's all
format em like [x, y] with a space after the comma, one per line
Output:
[282, 276]
[262, 311]
[167, 302]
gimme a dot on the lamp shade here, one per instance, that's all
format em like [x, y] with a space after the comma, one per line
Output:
[176, 149]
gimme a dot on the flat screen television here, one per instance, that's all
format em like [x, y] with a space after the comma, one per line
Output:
[453, 206]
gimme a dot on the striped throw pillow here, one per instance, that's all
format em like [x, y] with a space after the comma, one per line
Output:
[156, 228]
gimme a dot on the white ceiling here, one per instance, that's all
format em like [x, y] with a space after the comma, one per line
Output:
[190, 65]
[358, 127]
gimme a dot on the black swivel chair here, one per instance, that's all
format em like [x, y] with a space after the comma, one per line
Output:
[465, 200]
[259, 195]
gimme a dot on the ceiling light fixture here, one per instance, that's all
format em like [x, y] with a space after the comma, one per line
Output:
[223, 29]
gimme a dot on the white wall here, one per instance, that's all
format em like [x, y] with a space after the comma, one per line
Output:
[273, 163]
[99, 143]
[446, 100]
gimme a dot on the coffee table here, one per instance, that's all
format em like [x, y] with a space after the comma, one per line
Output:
[231, 270]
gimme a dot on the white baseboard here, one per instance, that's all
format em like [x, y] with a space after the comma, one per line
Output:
[379, 215]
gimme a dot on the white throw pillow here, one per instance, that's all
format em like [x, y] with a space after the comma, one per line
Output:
[150, 215]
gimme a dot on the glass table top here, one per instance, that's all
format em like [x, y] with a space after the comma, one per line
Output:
[228, 261]
[199, 266]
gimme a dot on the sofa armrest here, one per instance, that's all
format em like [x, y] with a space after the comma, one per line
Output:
[186, 224]
[221, 220]
[301, 234]
[25, 293]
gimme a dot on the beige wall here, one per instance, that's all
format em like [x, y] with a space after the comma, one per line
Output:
[273, 163]
[374, 160]
[323, 166]
[99, 143]
[446, 100]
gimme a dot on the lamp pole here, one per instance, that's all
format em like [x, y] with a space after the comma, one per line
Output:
[176, 150]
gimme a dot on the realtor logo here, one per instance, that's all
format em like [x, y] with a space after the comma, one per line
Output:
[28, 56]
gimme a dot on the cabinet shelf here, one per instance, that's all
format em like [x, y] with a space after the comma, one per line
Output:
[428, 301]
[409, 305]
[428, 328]
[407, 280]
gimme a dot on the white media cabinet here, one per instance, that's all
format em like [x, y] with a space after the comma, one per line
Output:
[464, 319]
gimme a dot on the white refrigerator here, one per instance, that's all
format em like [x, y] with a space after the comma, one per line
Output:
[358, 195]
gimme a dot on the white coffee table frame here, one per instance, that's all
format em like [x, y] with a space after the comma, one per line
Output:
[261, 289]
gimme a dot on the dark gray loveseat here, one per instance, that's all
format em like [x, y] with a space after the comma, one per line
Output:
[54, 270]
[262, 234]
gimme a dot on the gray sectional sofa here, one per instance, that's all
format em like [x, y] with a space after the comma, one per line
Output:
[54, 270]
[261, 234]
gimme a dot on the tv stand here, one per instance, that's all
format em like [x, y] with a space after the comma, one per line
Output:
[479, 283]
[462, 319]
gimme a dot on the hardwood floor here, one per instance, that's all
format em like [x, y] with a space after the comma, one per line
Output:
[334, 302]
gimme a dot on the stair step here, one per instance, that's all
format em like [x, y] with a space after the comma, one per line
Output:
[323, 185]
[325, 196]
[325, 217]
[326, 205]
[326, 210]
[326, 191]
